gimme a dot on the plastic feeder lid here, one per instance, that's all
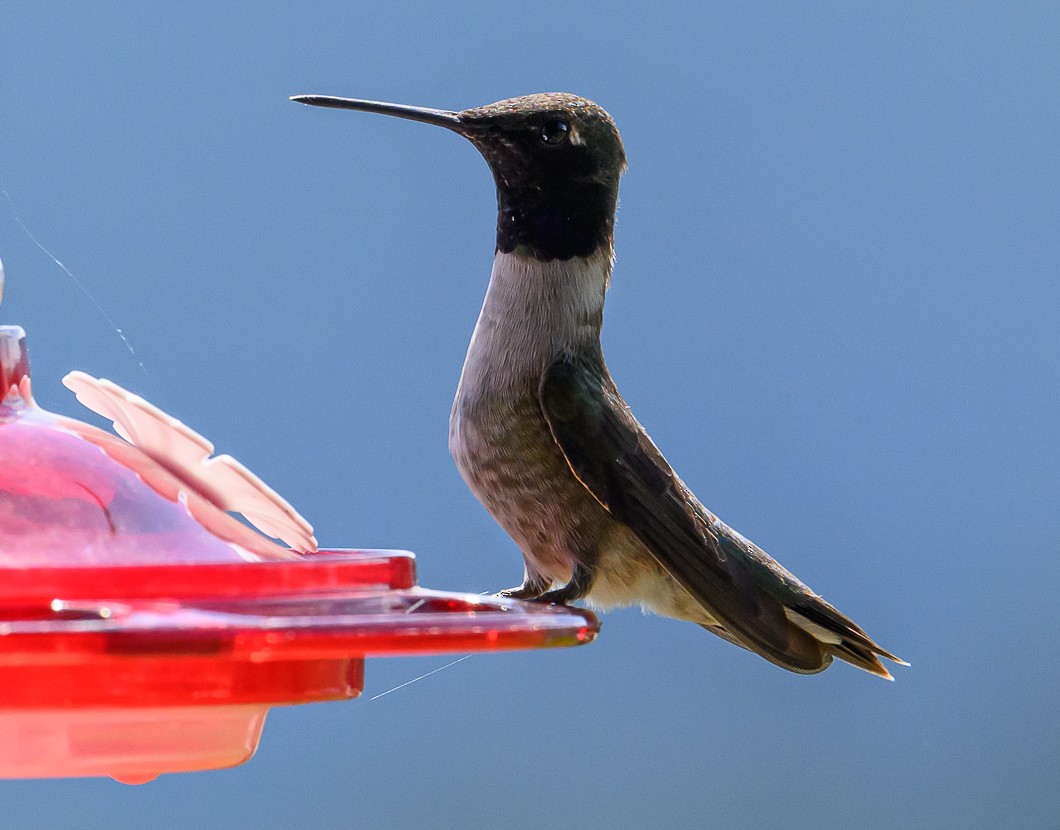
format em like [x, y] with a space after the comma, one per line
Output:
[144, 630]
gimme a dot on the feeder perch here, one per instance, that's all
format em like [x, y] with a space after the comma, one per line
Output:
[145, 630]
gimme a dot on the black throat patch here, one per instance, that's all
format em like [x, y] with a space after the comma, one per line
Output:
[572, 219]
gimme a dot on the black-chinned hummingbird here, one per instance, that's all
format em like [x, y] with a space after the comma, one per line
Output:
[541, 434]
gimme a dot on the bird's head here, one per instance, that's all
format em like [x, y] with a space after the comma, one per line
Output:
[556, 159]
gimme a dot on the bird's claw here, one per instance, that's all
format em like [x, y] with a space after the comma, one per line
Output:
[519, 592]
[561, 596]
[531, 589]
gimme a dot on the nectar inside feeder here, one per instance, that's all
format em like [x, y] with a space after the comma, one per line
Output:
[145, 630]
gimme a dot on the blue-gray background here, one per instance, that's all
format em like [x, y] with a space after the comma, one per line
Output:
[835, 308]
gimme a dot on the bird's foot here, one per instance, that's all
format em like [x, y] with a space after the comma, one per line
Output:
[580, 583]
[561, 596]
[520, 592]
[531, 589]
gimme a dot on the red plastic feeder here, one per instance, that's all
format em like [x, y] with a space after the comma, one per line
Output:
[145, 630]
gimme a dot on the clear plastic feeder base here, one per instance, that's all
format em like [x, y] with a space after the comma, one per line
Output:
[130, 745]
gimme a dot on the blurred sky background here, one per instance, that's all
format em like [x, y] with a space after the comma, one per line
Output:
[835, 308]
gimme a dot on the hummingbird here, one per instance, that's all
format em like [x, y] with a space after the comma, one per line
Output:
[541, 434]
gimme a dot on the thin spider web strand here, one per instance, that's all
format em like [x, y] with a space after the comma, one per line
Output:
[80, 285]
[421, 677]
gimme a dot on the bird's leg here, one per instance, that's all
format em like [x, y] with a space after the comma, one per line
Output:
[534, 585]
[581, 580]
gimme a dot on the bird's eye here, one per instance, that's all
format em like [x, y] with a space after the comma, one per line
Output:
[555, 132]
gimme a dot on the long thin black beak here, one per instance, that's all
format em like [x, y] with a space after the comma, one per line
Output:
[441, 118]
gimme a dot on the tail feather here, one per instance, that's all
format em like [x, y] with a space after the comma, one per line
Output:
[818, 633]
[841, 636]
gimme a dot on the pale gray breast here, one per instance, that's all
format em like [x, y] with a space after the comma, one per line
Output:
[533, 313]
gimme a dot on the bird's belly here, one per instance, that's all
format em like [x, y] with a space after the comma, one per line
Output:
[505, 452]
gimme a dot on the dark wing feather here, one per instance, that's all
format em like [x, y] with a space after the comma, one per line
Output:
[617, 462]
